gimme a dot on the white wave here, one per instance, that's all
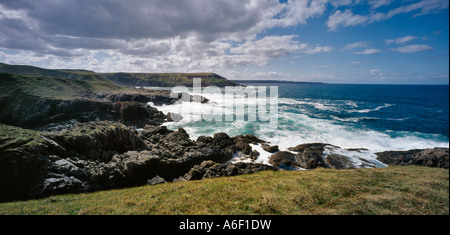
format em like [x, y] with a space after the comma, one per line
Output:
[240, 157]
[370, 110]
[301, 128]
[360, 159]
[264, 156]
[354, 119]
[398, 119]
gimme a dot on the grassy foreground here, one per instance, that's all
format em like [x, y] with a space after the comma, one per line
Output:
[394, 190]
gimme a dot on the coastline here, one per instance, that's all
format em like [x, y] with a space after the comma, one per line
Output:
[61, 162]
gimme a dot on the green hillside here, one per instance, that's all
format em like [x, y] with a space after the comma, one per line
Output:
[167, 79]
[52, 87]
[25, 70]
[385, 191]
[123, 79]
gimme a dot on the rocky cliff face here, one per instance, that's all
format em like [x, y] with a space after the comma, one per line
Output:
[104, 155]
[319, 155]
[90, 142]
[437, 157]
[50, 114]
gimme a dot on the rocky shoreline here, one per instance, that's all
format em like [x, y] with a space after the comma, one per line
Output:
[115, 141]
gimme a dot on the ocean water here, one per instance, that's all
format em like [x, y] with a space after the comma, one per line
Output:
[374, 117]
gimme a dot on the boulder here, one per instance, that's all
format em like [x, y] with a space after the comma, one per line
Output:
[283, 159]
[97, 140]
[138, 114]
[336, 161]
[157, 180]
[312, 158]
[270, 149]
[174, 117]
[210, 169]
[254, 155]
[302, 147]
[437, 157]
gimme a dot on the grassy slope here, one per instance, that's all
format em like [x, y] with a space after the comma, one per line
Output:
[24, 70]
[50, 87]
[166, 79]
[396, 190]
[15, 137]
[124, 79]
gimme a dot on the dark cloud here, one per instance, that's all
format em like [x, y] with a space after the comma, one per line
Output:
[15, 34]
[17, 4]
[134, 27]
[136, 19]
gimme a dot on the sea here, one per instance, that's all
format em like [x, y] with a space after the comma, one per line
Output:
[376, 118]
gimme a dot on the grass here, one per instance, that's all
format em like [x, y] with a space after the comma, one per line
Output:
[166, 79]
[15, 137]
[389, 191]
[50, 87]
[124, 79]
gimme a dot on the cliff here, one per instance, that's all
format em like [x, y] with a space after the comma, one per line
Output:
[122, 79]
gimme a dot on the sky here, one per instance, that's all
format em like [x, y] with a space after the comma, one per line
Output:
[333, 41]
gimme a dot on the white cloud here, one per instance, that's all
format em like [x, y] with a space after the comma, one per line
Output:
[422, 7]
[299, 11]
[340, 3]
[345, 19]
[324, 66]
[376, 72]
[318, 49]
[178, 35]
[270, 46]
[368, 52]
[379, 3]
[272, 75]
[401, 40]
[413, 48]
[355, 45]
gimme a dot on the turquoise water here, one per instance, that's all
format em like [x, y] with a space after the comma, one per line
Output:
[375, 117]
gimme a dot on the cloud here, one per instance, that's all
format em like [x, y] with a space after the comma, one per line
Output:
[324, 66]
[413, 48]
[165, 33]
[340, 3]
[270, 46]
[368, 52]
[379, 3]
[299, 11]
[423, 7]
[177, 35]
[273, 75]
[318, 49]
[376, 72]
[347, 18]
[355, 45]
[400, 40]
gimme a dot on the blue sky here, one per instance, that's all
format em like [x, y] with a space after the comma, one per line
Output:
[336, 41]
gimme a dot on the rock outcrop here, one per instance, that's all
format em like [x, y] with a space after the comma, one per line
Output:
[47, 114]
[105, 155]
[270, 149]
[319, 155]
[138, 114]
[210, 169]
[437, 157]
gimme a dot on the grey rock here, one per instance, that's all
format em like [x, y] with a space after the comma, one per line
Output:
[437, 157]
[270, 149]
[210, 169]
[283, 159]
[156, 180]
